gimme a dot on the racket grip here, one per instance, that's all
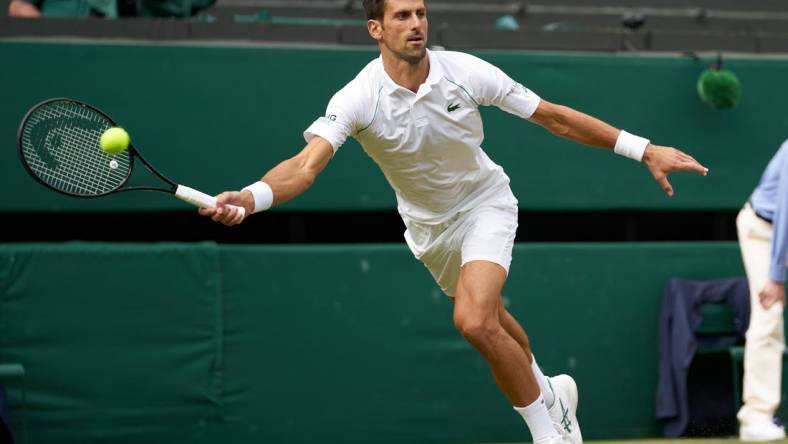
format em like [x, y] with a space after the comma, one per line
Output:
[200, 199]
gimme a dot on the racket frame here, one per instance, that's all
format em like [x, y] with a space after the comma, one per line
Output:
[182, 192]
[133, 152]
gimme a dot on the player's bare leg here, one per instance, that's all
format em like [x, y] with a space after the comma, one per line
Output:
[515, 330]
[476, 316]
[477, 306]
[561, 388]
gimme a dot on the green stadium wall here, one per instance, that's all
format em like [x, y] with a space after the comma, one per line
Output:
[205, 343]
[216, 116]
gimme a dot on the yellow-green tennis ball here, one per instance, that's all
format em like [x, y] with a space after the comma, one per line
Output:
[114, 141]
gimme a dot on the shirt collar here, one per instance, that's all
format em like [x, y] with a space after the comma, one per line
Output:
[433, 77]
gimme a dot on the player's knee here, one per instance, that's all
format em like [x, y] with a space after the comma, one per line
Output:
[476, 329]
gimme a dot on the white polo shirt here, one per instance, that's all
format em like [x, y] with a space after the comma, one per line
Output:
[428, 144]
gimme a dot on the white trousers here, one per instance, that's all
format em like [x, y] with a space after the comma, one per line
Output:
[763, 351]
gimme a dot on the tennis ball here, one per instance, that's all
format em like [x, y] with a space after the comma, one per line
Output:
[114, 141]
[719, 88]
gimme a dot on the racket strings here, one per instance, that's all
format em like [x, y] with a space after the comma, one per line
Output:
[60, 144]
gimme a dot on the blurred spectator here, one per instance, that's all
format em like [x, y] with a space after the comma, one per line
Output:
[17, 8]
[106, 8]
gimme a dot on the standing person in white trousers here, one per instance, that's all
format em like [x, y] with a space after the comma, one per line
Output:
[763, 237]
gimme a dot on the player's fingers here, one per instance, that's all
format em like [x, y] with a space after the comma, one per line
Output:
[688, 157]
[663, 182]
[228, 197]
[690, 163]
[223, 213]
[682, 161]
[231, 215]
[237, 218]
[206, 211]
[222, 199]
[693, 165]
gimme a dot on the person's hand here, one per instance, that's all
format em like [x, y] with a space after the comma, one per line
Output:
[229, 215]
[772, 293]
[663, 160]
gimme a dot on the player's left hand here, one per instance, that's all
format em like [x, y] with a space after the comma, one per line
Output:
[663, 160]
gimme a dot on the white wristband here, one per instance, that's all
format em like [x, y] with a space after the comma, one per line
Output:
[263, 196]
[630, 145]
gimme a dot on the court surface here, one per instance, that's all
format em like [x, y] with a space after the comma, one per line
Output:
[670, 441]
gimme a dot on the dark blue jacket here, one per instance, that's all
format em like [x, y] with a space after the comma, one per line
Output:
[677, 343]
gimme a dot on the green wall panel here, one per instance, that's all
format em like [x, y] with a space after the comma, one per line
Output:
[120, 342]
[158, 343]
[592, 310]
[217, 116]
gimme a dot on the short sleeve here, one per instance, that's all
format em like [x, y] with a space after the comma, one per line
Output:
[343, 114]
[520, 101]
[492, 86]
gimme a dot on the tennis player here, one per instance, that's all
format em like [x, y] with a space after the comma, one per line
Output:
[416, 113]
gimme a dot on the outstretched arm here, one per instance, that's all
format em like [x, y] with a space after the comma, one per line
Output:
[286, 181]
[582, 128]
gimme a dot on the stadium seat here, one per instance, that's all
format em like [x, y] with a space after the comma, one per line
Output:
[718, 320]
[463, 38]
[694, 41]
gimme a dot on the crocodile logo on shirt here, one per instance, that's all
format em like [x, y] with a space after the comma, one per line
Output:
[453, 107]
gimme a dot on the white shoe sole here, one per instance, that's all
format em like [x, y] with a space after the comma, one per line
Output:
[755, 437]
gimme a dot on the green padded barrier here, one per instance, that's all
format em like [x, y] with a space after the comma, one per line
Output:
[162, 343]
[165, 342]
[356, 345]
[596, 315]
[216, 116]
[121, 343]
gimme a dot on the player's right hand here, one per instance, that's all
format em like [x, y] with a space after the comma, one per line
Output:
[225, 212]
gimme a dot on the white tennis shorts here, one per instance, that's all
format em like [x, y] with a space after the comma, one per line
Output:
[485, 232]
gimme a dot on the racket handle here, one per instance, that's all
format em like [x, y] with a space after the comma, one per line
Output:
[200, 199]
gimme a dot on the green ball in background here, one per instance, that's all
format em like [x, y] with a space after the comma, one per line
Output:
[719, 88]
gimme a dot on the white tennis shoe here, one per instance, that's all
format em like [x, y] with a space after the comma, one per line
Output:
[563, 413]
[765, 431]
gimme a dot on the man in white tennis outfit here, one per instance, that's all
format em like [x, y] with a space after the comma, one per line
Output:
[416, 113]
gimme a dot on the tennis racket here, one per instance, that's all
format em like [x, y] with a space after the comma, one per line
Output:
[58, 144]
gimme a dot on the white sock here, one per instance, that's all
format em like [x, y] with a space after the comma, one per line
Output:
[539, 423]
[544, 386]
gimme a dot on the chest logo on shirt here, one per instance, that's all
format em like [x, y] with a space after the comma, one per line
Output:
[452, 107]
